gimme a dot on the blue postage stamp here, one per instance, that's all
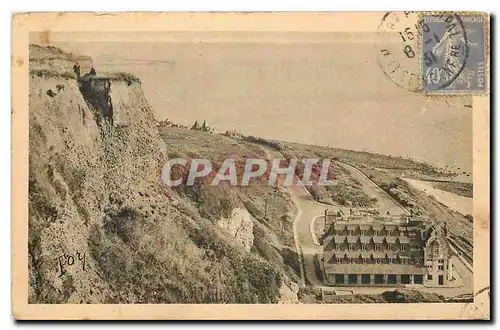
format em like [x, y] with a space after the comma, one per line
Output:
[453, 53]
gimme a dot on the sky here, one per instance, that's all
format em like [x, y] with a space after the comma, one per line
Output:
[317, 88]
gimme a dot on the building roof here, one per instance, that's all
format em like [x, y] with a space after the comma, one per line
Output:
[391, 239]
[411, 253]
[390, 254]
[354, 254]
[366, 254]
[374, 254]
[404, 254]
[339, 239]
[390, 227]
[378, 255]
[352, 239]
[375, 269]
[404, 240]
[365, 226]
[365, 239]
[329, 243]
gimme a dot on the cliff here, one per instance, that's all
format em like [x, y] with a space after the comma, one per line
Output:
[103, 228]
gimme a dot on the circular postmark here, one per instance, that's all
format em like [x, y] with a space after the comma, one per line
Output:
[398, 55]
[419, 51]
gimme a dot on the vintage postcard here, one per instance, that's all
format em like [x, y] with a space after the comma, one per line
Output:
[322, 166]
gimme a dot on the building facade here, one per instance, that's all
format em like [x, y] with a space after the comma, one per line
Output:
[372, 250]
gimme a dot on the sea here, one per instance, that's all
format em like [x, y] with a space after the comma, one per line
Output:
[330, 93]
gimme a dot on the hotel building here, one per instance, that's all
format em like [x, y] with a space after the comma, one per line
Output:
[372, 250]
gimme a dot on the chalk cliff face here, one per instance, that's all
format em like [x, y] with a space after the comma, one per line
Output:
[239, 226]
[102, 226]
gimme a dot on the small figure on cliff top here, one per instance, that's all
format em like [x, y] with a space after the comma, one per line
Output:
[92, 72]
[76, 69]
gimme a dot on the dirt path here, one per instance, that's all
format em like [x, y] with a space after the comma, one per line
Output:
[308, 209]
[385, 202]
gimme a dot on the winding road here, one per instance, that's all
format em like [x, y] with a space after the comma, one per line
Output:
[309, 209]
[385, 202]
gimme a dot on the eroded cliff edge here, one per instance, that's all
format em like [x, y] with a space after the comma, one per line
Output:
[103, 228]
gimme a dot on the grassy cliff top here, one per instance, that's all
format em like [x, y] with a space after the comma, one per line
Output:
[53, 62]
[38, 53]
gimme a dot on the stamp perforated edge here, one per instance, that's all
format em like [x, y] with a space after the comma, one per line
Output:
[486, 31]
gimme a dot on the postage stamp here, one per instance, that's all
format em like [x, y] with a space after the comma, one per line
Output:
[453, 53]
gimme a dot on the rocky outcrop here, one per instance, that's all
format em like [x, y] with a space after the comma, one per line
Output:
[96, 91]
[240, 227]
[103, 228]
[80, 169]
[289, 293]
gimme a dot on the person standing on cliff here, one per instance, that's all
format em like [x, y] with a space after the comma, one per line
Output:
[76, 69]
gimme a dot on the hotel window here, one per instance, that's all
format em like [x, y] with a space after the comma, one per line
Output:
[389, 247]
[363, 232]
[436, 249]
[441, 267]
[375, 232]
[429, 277]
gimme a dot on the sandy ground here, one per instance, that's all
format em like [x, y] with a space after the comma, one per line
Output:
[461, 204]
